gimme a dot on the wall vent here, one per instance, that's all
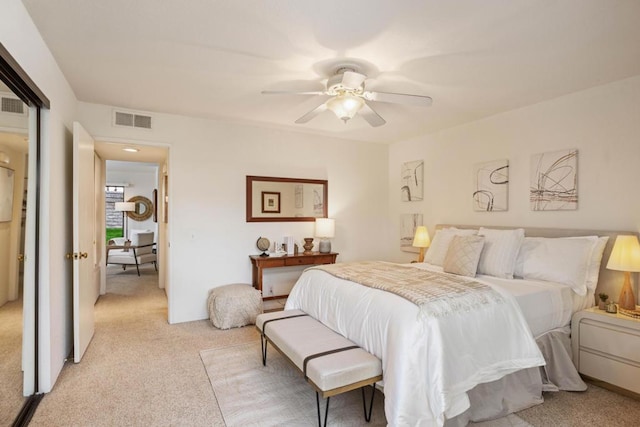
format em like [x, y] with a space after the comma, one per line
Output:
[132, 120]
[12, 105]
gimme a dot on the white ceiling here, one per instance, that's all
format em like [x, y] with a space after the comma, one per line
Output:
[212, 59]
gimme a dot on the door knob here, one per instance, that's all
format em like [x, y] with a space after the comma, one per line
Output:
[84, 255]
[70, 255]
[21, 257]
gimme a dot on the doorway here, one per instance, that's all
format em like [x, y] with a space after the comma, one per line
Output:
[139, 171]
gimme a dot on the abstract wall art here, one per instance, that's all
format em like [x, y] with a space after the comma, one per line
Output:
[411, 181]
[491, 186]
[408, 225]
[554, 181]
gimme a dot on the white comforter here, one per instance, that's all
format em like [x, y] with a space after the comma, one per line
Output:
[428, 364]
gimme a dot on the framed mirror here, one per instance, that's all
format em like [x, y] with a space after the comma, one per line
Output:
[271, 199]
[144, 208]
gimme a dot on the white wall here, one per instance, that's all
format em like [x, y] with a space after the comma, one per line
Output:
[210, 240]
[603, 123]
[21, 38]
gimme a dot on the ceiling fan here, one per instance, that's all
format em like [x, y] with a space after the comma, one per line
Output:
[345, 95]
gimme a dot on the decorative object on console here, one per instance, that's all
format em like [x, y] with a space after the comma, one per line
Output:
[125, 207]
[625, 256]
[602, 305]
[421, 240]
[325, 230]
[308, 245]
[411, 179]
[263, 244]
[554, 181]
[491, 186]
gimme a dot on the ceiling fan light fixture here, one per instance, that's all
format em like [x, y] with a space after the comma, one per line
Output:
[345, 105]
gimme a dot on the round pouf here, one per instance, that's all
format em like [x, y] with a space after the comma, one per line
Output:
[232, 306]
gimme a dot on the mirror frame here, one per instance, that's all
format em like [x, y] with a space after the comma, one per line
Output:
[136, 215]
[249, 198]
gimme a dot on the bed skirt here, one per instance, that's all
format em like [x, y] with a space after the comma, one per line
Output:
[523, 389]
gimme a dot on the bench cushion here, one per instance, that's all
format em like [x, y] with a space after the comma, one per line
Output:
[300, 337]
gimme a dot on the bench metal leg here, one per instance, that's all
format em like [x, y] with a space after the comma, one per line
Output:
[326, 410]
[263, 345]
[367, 414]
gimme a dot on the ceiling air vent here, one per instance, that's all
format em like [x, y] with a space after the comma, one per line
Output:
[132, 120]
[12, 105]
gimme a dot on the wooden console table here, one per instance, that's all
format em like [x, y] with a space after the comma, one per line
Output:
[259, 263]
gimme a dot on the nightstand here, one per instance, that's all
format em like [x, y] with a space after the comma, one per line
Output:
[606, 347]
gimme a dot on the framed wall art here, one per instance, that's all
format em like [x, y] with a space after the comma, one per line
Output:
[6, 194]
[411, 181]
[270, 202]
[554, 181]
[408, 225]
[491, 186]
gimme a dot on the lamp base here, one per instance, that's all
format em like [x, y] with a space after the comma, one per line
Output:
[325, 246]
[626, 299]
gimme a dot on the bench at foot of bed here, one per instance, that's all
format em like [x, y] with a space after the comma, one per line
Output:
[329, 362]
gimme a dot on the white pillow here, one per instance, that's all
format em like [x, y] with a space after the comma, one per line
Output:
[500, 250]
[440, 244]
[594, 262]
[463, 255]
[560, 260]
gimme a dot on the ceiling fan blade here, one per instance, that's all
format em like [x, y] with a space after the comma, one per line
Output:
[292, 92]
[371, 116]
[398, 98]
[352, 80]
[313, 113]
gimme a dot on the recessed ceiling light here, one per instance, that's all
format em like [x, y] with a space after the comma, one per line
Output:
[130, 150]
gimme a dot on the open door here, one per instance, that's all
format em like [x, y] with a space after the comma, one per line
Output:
[83, 240]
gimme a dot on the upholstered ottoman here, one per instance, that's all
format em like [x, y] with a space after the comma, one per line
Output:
[232, 306]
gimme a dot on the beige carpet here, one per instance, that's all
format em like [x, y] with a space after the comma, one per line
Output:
[141, 371]
[138, 369]
[250, 394]
[11, 398]
[594, 407]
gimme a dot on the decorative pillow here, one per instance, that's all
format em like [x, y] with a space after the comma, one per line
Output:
[440, 244]
[500, 250]
[560, 260]
[463, 255]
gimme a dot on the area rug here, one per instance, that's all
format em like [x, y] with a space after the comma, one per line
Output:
[250, 394]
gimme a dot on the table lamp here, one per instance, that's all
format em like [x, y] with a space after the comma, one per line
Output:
[625, 257]
[421, 240]
[125, 207]
[325, 230]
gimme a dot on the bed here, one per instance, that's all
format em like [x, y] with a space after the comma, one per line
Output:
[454, 363]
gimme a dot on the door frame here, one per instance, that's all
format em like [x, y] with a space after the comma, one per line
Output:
[14, 76]
[163, 237]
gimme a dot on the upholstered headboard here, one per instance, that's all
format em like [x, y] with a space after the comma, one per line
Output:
[609, 281]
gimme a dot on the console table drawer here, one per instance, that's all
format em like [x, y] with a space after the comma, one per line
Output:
[328, 259]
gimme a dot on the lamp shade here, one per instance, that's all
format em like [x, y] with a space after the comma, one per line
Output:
[625, 255]
[421, 238]
[125, 206]
[345, 106]
[325, 227]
